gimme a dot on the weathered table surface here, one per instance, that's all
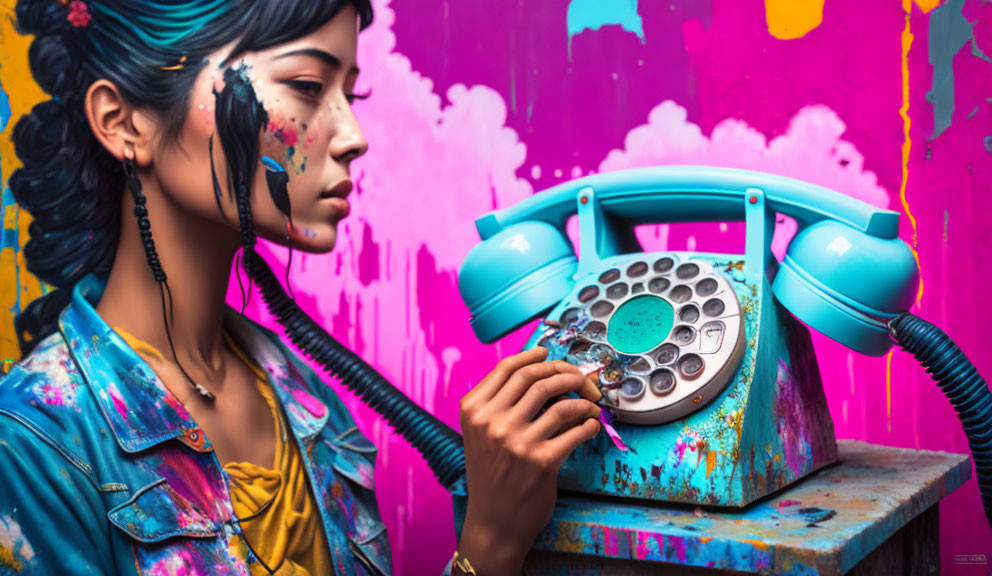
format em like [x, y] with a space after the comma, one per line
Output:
[823, 525]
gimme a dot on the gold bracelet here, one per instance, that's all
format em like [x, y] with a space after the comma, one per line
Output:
[460, 566]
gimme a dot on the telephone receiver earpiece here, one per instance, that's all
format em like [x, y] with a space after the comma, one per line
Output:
[846, 273]
[846, 284]
[517, 274]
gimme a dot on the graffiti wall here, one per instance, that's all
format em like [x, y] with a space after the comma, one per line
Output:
[476, 105]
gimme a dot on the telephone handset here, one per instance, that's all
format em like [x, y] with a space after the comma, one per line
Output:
[851, 234]
[712, 381]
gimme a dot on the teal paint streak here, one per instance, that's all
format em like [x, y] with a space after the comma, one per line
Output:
[4, 111]
[948, 33]
[9, 240]
[9, 236]
[594, 14]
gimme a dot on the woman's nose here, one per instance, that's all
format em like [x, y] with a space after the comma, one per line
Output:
[348, 143]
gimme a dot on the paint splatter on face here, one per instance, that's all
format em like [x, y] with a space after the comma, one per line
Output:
[283, 131]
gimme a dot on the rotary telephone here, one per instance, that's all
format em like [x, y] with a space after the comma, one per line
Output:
[704, 364]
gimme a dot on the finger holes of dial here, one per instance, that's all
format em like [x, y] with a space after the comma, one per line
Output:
[713, 307]
[611, 275]
[594, 330]
[707, 287]
[680, 294]
[662, 381]
[601, 308]
[640, 365]
[666, 353]
[684, 335]
[579, 346]
[687, 271]
[632, 388]
[691, 366]
[569, 317]
[616, 291]
[588, 293]
[689, 313]
[663, 265]
[637, 269]
[659, 285]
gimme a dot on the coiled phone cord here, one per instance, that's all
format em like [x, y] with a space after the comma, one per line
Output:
[437, 442]
[961, 383]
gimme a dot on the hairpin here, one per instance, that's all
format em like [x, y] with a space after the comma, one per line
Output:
[182, 62]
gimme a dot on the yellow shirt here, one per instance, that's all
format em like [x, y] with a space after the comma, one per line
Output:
[278, 514]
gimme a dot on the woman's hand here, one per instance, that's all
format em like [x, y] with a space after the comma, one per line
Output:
[512, 458]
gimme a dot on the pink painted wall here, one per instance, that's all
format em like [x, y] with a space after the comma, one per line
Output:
[479, 104]
[476, 105]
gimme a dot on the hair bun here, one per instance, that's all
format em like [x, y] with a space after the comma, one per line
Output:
[41, 17]
[51, 64]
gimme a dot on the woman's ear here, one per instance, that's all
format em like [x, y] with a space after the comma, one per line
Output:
[116, 124]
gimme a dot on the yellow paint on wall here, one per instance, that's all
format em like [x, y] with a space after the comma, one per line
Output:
[907, 42]
[927, 5]
[23, 94]
[791, 19]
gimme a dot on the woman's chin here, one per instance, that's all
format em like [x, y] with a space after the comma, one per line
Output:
[315, 241]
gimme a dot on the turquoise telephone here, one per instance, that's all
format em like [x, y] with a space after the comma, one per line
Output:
[710, 377]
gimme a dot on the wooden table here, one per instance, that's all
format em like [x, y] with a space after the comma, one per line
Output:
[874, 512]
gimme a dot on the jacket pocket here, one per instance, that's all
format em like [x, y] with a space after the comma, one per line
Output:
[171, 536]
[156, 513]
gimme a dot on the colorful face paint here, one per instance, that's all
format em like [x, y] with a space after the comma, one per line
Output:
[277, 180]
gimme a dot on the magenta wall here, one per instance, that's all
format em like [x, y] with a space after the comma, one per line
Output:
[477, 104]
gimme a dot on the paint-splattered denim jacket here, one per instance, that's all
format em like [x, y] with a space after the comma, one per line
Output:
[102, 470]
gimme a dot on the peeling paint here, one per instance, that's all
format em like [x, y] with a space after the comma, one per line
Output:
[949, 32]
[594, 14]
[791, 19]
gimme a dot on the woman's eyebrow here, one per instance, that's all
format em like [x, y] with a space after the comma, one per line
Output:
[319, 54]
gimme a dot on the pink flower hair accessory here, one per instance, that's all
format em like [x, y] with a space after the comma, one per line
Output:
[79, 13]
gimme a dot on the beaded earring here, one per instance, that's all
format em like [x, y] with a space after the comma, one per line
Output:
[145, 228]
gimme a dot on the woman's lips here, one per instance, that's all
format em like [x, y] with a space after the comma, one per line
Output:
[339, 190]
[337, 195]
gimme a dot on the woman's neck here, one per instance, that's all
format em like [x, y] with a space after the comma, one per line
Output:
[196, 256]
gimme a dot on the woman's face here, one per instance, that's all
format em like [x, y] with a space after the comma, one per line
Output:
[306, 89]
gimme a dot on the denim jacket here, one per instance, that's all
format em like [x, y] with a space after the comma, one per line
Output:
[102, 470]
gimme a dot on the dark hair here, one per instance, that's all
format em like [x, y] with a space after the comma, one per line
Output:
[152, 50]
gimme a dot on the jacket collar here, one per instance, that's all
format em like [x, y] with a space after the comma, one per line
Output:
[139, 409]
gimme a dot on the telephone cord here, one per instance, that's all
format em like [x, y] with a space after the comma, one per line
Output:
[437, 442]
[960, 381]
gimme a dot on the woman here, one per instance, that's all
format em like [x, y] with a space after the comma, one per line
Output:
[151, 430]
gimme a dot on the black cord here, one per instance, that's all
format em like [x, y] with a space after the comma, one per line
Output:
[437, 442]
[960, 381]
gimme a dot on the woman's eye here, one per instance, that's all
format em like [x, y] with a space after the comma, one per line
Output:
[352, 97]
[312, 89]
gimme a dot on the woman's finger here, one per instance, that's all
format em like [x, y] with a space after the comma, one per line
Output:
[544, 390]
[496, 379]
[563, 444]
[562, 415]
[526, 377]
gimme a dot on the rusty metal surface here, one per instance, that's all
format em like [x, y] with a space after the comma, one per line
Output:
[823, 525]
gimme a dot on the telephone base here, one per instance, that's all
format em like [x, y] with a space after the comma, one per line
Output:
[769, 427]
